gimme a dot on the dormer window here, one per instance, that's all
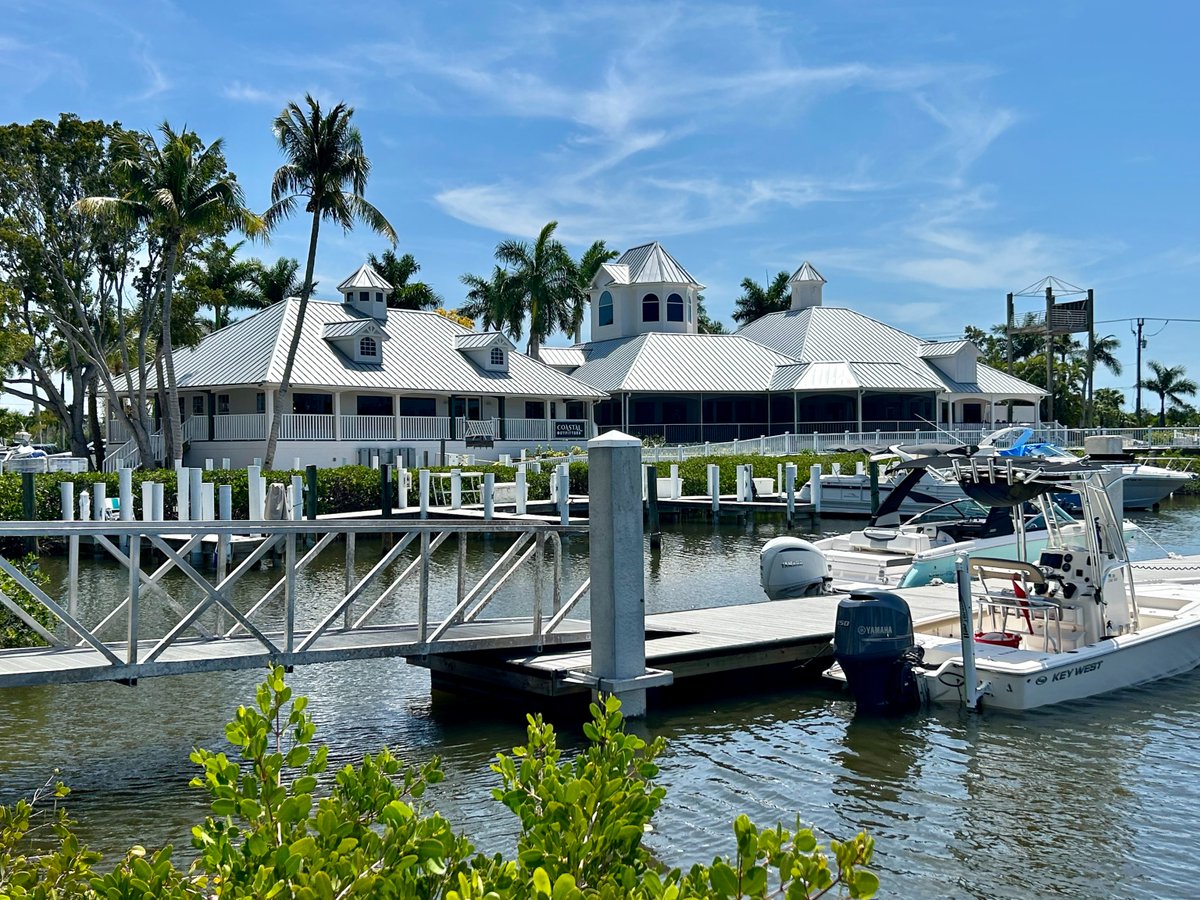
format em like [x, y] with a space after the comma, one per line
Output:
[368, 347]
[674, 308]
[606, 309]
[650, 308]
[497, 356]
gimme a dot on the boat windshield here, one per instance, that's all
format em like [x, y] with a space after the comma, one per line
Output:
[954, 511]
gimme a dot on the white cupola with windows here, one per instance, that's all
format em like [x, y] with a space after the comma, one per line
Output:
[806, 284]
[645, 290]
[366, 292]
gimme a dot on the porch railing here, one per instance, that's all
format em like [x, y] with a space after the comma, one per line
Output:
[423, 428]
[526, 430]
[306, 427]
[240, 427]
[369, 428]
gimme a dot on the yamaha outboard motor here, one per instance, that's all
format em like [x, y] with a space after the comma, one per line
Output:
[790, 567]
[873, 644]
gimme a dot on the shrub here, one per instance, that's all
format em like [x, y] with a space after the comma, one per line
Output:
[273, 833]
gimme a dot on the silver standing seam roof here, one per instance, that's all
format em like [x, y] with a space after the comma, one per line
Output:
[420, 357]
[647, 264]
[365, 278]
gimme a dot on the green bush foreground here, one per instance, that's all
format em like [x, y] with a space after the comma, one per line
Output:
[281, 827]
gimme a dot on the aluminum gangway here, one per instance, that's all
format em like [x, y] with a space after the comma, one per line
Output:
[147, 631]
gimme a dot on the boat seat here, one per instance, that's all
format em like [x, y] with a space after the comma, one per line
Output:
[984, 567]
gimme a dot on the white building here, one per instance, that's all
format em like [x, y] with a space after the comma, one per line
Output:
[811, 368]
[369, 381]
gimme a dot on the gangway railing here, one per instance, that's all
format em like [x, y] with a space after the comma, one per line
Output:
[152, 629]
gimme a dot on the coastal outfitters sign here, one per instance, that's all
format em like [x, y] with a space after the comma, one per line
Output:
[568, 431]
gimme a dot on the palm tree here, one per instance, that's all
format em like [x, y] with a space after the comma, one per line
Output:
[757, 301]
[277, 281]
[494, 302]
[182, 191]
[1170, 383]
[396, 271]
[544, 280]
[589, 264]
[1104, 353]
[705, 325]
[220, 281]
[327, 169]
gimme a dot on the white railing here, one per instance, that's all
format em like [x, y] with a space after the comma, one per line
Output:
[369, 428]
[476, 428]
[306, 427]
[423, 428]
[127, 456]
[117, 432]
[240, 427]
[526, 430]
[195, 428]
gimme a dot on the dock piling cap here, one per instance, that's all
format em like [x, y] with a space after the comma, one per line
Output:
[613, 439]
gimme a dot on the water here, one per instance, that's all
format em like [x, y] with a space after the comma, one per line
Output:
[1086, 800]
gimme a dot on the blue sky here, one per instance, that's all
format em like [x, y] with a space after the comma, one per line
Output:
[927, 158]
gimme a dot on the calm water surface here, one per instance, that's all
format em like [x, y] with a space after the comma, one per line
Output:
[1095, 799]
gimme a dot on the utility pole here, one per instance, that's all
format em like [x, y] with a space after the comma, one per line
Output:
[1008, 327]
[1050, 355]
[1140, 344]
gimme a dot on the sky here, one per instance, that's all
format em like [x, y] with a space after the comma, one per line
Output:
[927, 158]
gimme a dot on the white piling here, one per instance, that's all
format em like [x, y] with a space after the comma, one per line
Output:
[779, 478]
[207, 501]
[401, 488]
[489, 495]
[564, 493]
[522, 489]
[225, 463]
[157, 487]
[676, 488]
[714, 486]
[297, 497]
[836, 468]
[258, 461]
[814, 480]
[617, 567]
[147, 501]
[506, 459]
[208, 465]
[374, 462]
[789, 478]
[455, 488]
[197, 482]
[66, 490]
[85, 506]
[255, 491]
[860, 468]
[183, 487]
[296, 464]
[536, 466]
[99, 500]
[423, 482]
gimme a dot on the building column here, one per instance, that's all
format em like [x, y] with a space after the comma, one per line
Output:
[269, 396]
[859, 405]
[396, 416]
[337, 415]
[501, 410]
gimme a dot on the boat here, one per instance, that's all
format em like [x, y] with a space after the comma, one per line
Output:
[1144, 487]
[1025, 635]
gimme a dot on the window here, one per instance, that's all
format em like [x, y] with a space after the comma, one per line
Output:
[574, 409]
[260, 402]
[553, 410]
[650, 308]
[606, 309]
[497, 356]
[198, 405]
[465, 408]
[364, 296]
[312, 404]
[222, 404]
[373, 405]
[535, 409]
[674, 308]
[418, 406]
[368, 347]
[379, 296]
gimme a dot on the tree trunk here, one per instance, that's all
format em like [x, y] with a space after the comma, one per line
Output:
[285, 383]
[173, 417]
[94, 420]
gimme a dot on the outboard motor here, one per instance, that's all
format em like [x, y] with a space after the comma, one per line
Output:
[790, 567]
[873, 644]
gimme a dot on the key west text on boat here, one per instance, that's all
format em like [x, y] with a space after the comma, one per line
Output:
[1025, 635]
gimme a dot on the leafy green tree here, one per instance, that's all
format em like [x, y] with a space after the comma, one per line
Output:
[327, 169]
[1171, 384]
[183, 192]
[397, 271]
[757, 301]
[215, 278]
[704, 324]
[585, 270]
[1106, 407]
[543, 279]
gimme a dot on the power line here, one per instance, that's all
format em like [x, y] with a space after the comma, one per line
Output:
[1144, 319]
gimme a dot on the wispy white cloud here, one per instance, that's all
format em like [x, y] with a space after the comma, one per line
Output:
[156, 82]
[248, 93]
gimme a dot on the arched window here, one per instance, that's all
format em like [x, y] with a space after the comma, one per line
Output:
[368, 347]
[606, 309]
[497, 356]
[650, 308]
[674, 308]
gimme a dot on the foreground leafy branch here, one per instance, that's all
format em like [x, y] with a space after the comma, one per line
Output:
[281, 825]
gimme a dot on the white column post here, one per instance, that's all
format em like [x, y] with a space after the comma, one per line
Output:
[254, 489]
[125, 493]
[522, 489]
[423, 483]
[714, 486]
[617, 567]
[789, 479]
[158, 500]
[197, 490]
[99, 500]
[183, 487]
[455, 488]
[401, 489]
[814, 481]
[297, 497]
[489, 496]
[147, 501]
[675, 481]
[564, 492]
[207, 501]
[337, 415]
[208, 465]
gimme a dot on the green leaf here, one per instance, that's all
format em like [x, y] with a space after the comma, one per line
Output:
[541, 882]
[723, 879]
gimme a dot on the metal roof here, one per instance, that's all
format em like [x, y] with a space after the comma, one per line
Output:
[350, 327]
[421, 357]
[564, 357]
[806, 272]
[365, 278]
[681, 363]
[939, 349]
[854, 376]
[836, 334]
[474, 341]
[652, 264]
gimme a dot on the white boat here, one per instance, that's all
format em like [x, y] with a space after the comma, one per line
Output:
[1144, 487]
[1025, 635]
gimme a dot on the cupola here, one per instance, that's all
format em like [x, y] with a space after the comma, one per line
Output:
[806, 286]
[366, 292]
